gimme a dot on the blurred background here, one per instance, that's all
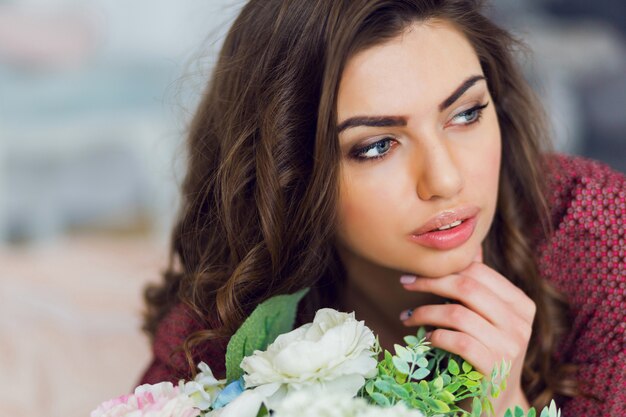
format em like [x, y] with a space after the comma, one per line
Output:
[94, 100]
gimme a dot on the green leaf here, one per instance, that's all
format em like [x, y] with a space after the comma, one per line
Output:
[422, 362]
[553, 412]
[544, 412]
[387, 378]
[400, 391]
[518, 412]
[453, 386]
[380, 399]
[438, 383]
[369, 387]
[401, 365]
[474, 375]
[388, 357]
[421, 332]
[488, 406]
[411, 340]
[466, 367]
[383, 386]
[453, 367]
[263, 411]
[420, 373]
[469, 383]
[446, 379]
[422, 388]
[269, 319]
[446, 396]
[532, 412]
[477, 408]
[508, 413]
[403, 353]
[437, 405]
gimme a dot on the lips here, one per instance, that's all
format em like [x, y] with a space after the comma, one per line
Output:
[447, 217]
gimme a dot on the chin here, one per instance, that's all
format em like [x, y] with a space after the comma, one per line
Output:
[442, 265]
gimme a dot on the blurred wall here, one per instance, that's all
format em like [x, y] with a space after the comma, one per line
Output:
[95, 97]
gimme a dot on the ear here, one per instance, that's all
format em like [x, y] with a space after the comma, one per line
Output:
[479, 255]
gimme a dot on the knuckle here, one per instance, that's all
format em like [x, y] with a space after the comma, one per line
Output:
[511, 350]
[464, 344]
[525, 331]
[522, 329]
[456, 313]
[466, 285]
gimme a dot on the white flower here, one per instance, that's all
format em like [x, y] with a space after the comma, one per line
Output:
[159, 400]
[247, 404]
[331, 354]
[300, 404]
[204, 388]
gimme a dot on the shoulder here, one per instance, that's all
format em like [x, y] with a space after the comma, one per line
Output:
[585, 260]
[169, 362]
[580, 186]
[584, 256]
[588, 207]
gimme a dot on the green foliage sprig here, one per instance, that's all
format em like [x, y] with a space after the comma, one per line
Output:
[432, 380]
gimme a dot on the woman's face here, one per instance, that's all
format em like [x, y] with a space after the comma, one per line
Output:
[415, 143]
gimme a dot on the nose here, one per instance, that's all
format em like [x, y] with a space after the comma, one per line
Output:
[439, 174]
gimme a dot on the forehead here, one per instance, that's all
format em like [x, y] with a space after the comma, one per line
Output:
[413, 71]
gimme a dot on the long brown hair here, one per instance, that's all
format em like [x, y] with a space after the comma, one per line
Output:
[259, 197]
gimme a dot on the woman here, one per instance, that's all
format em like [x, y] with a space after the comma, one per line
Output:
[335, 139]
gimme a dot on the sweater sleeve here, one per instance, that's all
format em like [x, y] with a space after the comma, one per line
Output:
[585, 260]
[169, 362]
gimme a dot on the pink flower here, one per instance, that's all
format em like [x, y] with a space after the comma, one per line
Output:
[159, 400]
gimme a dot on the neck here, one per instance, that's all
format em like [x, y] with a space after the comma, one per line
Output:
[376, 296]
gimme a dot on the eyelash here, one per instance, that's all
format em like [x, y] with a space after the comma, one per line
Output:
[360, 151]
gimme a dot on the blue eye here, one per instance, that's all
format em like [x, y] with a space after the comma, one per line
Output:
[375, 150]
[471, 115]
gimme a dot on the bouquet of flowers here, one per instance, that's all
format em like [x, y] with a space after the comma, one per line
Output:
[331, 367]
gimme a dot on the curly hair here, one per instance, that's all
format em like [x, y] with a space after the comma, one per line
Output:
[259, 198]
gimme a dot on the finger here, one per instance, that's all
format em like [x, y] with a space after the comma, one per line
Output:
[459, 317]
[510, 293]
[466, 346]
[514, 297]
[474, 294]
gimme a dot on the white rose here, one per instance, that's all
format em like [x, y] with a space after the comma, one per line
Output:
[300, 404]
[331, 354]
[204, 389]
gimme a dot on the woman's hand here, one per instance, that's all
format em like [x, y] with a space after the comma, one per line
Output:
[493, 322]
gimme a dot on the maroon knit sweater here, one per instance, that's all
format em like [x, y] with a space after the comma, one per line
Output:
[584, 259]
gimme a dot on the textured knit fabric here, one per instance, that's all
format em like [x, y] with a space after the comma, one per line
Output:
[584, 259]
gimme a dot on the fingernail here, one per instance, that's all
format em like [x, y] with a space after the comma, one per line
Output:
[407, 279]
[427, 335]
[406, 314]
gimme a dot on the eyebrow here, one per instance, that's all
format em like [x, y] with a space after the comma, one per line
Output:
[387, 121]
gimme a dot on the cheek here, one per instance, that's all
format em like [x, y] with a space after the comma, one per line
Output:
[485, 167]
[366, 206]
[486, 170]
